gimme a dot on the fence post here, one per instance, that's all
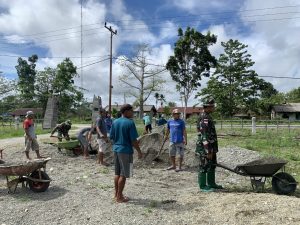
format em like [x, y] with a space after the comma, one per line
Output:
[221, 125]
[266, 125]
[289, 125]
[277, 125]
[253, 125]
[242, 123]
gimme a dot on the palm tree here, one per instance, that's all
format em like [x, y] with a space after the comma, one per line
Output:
[156, 96]
[162, 100]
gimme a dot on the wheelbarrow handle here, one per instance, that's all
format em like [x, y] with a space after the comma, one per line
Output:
[58, 137]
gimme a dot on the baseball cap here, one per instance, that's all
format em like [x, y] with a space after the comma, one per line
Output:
[175, 111]
[28, 113]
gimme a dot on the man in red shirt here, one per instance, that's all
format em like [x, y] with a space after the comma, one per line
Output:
[30, 136]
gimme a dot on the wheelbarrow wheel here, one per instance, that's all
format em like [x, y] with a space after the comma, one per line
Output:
[36, 186]
[284, 184]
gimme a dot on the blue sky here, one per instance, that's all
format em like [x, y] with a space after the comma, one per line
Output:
[51, 29]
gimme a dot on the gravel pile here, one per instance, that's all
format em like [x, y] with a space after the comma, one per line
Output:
[81, 192]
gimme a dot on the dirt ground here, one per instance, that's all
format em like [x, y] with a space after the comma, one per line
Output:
[81, 192]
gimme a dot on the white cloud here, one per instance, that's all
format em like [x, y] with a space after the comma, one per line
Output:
[274, 45]
[205, 6]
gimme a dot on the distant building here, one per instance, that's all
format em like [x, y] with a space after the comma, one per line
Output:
[22, 112]
[113, 107]
[290, 111]
[189, 111]
[149, 109]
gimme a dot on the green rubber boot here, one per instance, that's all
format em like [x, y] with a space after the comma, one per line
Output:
[211, 180]
[202, 182]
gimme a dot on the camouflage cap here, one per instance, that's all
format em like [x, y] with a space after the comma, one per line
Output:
[68, 122]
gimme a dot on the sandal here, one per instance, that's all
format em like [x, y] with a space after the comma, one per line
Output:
[171, 168]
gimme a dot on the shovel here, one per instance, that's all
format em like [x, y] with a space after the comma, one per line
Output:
[159, 152]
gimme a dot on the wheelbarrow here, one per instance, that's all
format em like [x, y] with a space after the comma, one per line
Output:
[32, 174]
[71, 144]
[259, 170]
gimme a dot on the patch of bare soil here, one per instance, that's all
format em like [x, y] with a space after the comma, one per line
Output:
[81, 192]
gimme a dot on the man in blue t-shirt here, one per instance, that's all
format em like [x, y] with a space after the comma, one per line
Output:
[178, 138]
[124, 135]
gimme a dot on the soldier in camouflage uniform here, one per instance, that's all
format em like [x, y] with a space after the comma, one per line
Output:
[62, 130]
[207, 148]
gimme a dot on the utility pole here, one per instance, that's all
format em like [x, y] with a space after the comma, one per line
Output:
[110, 66]
[81, 45]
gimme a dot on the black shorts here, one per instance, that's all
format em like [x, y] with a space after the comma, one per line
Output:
[148, 128]
[123, 164]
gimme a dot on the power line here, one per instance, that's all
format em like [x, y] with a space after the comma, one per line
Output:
[52, 57]
[205, 13]
[154, 25]
[159, 18]
[171, 17]
[280, 77]
[93, 63]
[276, 77]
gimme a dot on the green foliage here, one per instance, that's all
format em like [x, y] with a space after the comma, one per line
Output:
[27, 74]
[191, 60]
[171, 104]
[293, 95]
[167, 110]
[235, 87]
[9, 132]
[61, 82]
[159, 98]
[44, 85]
[114, 113]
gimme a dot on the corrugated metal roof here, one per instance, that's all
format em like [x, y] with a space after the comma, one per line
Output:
[290, 107]
[22, 111]
[147, 108]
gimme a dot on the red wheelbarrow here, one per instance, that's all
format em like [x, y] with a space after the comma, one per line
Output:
[32, 174]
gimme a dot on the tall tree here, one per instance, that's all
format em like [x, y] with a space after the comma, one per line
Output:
[156, 96]
[27, 73]
[192, 60]
[6, 85]
[44, 85]
[140, 76]
[234, 85]
[69, 95]
[60, 81]
[293, 95]
[159, 98]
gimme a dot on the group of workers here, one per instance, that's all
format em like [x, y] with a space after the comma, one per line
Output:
[123, 134]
